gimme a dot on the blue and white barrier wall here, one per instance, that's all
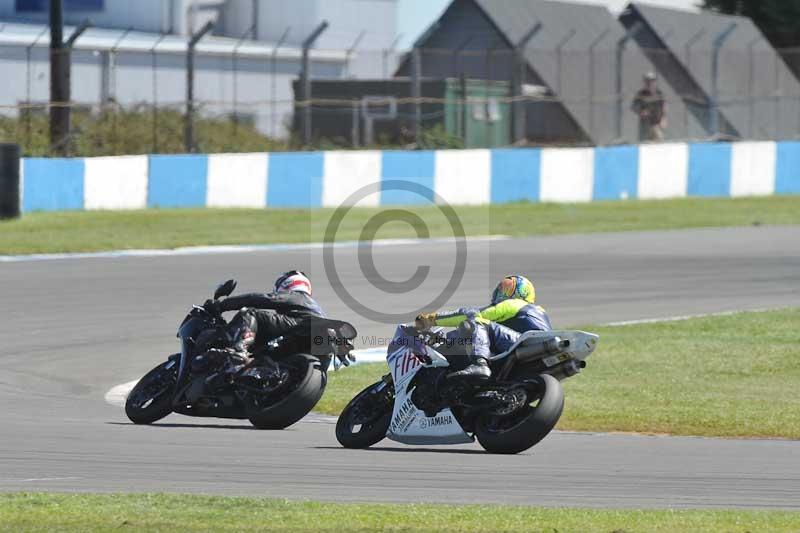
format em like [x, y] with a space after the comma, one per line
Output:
[460, 177]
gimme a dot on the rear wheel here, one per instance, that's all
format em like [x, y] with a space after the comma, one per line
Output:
[366, 418]
[290, 393]
[526, 426]
[151, 399]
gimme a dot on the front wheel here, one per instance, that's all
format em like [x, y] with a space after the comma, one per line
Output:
[151, 399]
[366, 418]
[527, 426]
[300, 384]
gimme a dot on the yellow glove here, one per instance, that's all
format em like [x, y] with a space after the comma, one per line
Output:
[426, 320]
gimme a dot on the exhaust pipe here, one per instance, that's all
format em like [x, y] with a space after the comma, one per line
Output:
[539, 349]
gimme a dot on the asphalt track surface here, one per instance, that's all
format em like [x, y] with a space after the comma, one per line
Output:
[72, 329]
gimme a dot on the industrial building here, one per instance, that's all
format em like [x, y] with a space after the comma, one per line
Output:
[571, 56]
[135, 52]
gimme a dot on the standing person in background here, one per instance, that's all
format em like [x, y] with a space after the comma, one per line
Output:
[649, 104]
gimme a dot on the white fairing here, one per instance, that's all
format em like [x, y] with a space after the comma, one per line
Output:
[410, 425]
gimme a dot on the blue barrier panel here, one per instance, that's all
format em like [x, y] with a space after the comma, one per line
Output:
[787, 168]
[413, 167]
[295, 179]
[52, 184]
[709, 169]
[177, 181]
[515, 175]
[616, 172]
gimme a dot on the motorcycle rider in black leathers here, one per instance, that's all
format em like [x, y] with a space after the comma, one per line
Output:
[289, 308]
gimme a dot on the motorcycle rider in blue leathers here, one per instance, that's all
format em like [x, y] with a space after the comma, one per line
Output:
[495, 328]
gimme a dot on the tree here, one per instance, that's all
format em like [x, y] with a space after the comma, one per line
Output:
[778, 20]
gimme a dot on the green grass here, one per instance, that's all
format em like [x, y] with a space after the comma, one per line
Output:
[113, 230]
[728, 376]
[169, 513]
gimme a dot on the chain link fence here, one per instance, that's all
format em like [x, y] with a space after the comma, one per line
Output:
[135, 100]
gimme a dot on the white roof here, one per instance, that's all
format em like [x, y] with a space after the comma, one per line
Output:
[136, 41]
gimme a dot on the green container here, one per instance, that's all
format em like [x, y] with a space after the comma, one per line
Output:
[478, 111]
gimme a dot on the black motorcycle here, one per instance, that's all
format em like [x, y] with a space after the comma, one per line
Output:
[278, 387]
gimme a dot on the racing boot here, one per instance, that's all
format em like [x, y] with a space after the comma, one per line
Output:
[478, 349]
[478, 369]
[242, 335]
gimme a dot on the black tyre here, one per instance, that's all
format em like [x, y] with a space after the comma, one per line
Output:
[151, 399]
[286, 405]
[366, 418]
[526, 427]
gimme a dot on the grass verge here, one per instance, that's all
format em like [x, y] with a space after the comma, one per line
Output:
[160, 512]
[729, 376]
[155, 228]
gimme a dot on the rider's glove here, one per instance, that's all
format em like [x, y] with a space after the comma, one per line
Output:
[426, 320]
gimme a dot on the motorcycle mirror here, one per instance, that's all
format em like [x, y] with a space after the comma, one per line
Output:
[225, 289]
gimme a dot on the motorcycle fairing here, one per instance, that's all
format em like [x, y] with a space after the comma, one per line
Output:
[410, 425]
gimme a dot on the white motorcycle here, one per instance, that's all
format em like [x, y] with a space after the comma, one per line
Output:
[416, 403]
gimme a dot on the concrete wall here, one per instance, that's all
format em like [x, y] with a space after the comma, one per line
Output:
[457, 177]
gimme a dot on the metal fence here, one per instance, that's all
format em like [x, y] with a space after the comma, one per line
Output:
[130, 101]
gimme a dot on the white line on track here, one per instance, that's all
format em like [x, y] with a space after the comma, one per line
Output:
[34, 479]
[119, 393]
[235, 249]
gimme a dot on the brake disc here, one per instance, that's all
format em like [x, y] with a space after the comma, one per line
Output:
[512, 400]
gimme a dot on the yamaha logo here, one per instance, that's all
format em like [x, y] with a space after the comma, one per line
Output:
[436, 421]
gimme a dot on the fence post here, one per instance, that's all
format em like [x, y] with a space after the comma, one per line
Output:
[273, 82]
[9, 181]
[59, 79]
[687, 54]
[256, 13]
[519, 76]
[60, 83]
[112, 94]
[751, 84]
[630, 34]
[305, 76]
[778, 94]
[592, 80]
[718, 42]
[188, 134]
[250, 31]
[349, 53]
[387, 52]
[113, 62]
[462, 81]
[458, 70]
[559, 49]
[154, 65]
[416, 91]
[354, 132]
[28, 83]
